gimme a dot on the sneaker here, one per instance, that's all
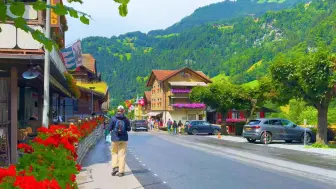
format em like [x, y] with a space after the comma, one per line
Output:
[121, 174]
[115, 171]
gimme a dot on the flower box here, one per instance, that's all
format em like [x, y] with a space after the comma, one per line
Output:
[193, 105]
[180, 91]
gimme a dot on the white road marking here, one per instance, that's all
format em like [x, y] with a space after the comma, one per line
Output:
[144, 164]
[155, 175]
[164, 182]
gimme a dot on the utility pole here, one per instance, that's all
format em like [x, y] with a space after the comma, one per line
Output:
[45, 115]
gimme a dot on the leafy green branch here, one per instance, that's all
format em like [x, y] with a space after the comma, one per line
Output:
[18, 9]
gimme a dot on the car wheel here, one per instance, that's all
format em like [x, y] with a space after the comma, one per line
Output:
[215, 132]
[266, 138]
[146, 130]
[194, 132]
[288, 141]
[250, 140]
[308, 138]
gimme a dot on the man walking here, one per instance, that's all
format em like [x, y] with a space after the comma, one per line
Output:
[119, 126]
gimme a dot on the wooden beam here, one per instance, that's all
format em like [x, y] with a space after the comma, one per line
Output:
[14, 116]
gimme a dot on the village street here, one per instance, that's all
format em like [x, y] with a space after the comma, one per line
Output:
[157, 160]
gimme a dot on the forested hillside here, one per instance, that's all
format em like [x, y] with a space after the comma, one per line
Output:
[227, 10]
[241, 48]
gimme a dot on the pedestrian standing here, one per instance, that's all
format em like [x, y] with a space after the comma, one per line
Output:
[180, 125]
[169, 124]
[119, 126]
[175, 127]
[152, 124]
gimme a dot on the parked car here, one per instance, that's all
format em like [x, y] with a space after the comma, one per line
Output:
[139, 125]
[198, 126]
[267, 130]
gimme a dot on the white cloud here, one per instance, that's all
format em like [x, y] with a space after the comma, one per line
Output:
[143, 15]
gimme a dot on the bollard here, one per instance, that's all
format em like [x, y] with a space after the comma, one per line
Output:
[219, 136]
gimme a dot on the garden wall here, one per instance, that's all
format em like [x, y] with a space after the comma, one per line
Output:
[89, 141]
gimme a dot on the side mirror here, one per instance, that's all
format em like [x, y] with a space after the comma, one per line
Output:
[294, 125]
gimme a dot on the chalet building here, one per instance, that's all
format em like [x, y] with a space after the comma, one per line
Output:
[169, 95]
[94, 92]
[147, 98]
[235, 119]
[21, 98]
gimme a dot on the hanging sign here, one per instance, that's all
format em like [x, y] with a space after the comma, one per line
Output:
[54, 18]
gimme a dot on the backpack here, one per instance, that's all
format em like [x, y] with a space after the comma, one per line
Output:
[119, 127]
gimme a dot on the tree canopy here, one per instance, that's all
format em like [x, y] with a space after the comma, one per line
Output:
[309, 76]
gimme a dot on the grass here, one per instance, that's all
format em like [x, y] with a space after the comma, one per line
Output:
[101, 87]
[251, 84]
[323, 146]
[220, 77]
[254, 66]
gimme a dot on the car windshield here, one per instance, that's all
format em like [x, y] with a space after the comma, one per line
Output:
[253, 122]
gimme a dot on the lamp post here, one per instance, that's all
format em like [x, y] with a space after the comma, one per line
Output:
[92, 99]
[45, 116]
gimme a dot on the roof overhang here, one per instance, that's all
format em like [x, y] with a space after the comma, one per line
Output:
[188, 84]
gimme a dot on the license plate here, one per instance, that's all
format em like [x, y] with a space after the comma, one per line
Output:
[248, 129]
[142, 128]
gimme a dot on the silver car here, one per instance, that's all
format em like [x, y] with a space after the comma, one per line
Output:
[267, 130]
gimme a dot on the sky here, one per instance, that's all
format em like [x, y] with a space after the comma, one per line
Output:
[143, 15]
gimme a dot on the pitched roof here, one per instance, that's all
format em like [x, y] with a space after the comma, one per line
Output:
[162, 75]
[148, 95]
[89, 62]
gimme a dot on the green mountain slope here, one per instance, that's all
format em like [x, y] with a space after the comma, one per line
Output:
[227, 10]
[241, 48]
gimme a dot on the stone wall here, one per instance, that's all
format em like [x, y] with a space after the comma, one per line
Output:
[90, 141]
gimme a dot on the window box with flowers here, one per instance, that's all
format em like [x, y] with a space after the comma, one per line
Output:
[180, 91]
[192, 106]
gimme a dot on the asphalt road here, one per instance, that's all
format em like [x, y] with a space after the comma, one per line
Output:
[158, 163]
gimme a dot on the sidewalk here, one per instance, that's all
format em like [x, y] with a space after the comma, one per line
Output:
[96, 171]
[283, 145]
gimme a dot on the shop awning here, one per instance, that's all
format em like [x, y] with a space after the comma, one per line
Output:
[154, 113]
[189, 84]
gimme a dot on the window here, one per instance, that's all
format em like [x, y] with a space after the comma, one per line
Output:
[273, 122]
[235, 115]
[191, 116]
[255, 122]
[258, 114]
[286, 123]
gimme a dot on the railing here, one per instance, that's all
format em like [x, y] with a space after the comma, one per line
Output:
[57, 60]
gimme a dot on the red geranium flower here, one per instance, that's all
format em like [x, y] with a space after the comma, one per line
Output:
[27, 148]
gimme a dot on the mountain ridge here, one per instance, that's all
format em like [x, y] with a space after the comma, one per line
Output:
[230, 47]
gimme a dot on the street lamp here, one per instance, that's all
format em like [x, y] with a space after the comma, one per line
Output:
[92, 98]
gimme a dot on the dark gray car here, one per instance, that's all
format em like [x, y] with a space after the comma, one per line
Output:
[267, 130]
[198, 126]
